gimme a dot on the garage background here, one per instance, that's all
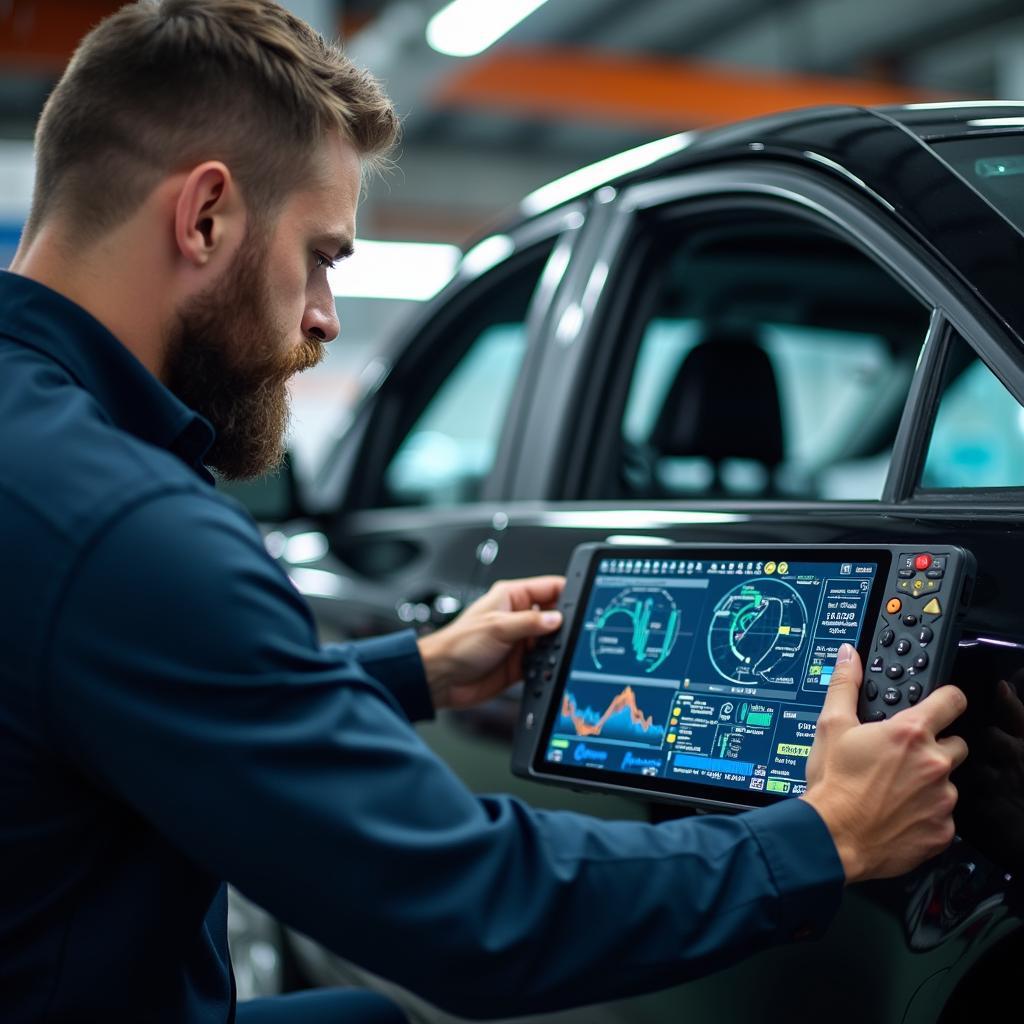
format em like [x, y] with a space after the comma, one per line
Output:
[500, 100]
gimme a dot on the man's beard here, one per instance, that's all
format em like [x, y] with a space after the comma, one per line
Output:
[228, 360]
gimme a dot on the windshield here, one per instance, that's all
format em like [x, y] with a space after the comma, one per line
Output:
[994, 166]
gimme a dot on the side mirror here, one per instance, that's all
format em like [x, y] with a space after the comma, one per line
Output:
[273, 498]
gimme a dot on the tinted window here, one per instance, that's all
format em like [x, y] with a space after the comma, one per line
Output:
[773, 360]
[447, 453]
[994, 166]
[978, 437]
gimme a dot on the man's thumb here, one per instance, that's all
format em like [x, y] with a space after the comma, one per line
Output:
[844, 686]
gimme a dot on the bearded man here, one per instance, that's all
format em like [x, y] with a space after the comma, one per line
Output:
[169, 720]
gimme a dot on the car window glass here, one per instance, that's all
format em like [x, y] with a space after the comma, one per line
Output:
[774, 362]
[978, 436]
[445, 457]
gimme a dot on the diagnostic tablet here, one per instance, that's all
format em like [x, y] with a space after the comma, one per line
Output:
[697, 673]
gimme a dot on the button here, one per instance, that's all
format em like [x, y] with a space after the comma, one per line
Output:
[906, 574]
[935, 574]
[886, 638]
[903, 647]
[932, 607]
[548, 676]
[907, 562]
[894, 605]
[909, 620]
[922, 562]
[913, 693]
[918, 585]
[876, 716]
[552, 660]
[877, 665]
[925, 635]
[529, 720]
[870, 689]
[904, 586]
[921, 662]
[894, 671]
[892, 695]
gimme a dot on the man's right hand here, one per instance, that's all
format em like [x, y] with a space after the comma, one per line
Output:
[883, 788]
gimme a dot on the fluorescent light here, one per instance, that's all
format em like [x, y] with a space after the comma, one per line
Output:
[467, 27]
[395, 270]
[996, 122]
[587, 178]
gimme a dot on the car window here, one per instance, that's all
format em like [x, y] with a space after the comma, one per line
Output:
[445, 456]
[773, 361]
[978, 436]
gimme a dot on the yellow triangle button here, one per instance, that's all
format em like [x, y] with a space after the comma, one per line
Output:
[932, 607]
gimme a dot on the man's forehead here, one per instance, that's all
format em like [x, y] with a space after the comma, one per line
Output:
[329, 201]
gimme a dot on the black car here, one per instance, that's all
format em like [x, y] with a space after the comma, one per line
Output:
[805, 328]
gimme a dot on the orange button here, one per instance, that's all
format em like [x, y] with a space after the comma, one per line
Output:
[894, 606]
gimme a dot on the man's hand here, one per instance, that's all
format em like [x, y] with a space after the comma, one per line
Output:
[883, 788]
[475, 657]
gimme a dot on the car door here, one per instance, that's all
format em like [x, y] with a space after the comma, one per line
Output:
[403, 509]
[844, 381]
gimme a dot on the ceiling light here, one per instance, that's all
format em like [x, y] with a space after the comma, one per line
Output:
[415, 271]
[587, 178]
[467, 27]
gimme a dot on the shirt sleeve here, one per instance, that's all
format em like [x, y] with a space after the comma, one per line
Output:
[186, 678]
[395, 662]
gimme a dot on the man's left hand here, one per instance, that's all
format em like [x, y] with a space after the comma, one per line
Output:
[478, 655]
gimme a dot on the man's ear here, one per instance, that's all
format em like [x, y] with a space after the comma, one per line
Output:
[209, 216]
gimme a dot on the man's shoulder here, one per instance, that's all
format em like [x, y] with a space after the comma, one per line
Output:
[67, 468]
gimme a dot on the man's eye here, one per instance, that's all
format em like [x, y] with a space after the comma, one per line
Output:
[322, 260]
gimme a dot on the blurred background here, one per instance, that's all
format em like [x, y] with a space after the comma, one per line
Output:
[501, 98]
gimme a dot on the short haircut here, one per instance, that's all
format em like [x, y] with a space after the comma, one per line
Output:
[162, 85]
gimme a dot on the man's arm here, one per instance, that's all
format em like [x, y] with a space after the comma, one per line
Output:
[186, 679]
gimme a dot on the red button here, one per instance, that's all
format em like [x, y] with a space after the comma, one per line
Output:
[922, 562]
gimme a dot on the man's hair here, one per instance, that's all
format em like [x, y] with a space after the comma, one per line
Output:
[162, 85]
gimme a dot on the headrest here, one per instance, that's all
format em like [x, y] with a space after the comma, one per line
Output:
[723, 403]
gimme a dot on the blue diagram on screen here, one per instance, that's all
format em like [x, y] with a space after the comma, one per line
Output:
[757, 633]
[614, 712]
[636, 631]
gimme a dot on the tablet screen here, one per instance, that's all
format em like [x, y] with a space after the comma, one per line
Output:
[705, 673]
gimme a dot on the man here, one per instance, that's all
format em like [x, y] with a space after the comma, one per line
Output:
[168, 719]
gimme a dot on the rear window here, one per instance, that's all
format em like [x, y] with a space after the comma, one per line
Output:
[994, 166]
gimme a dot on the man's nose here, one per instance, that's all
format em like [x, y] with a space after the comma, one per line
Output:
[320, 321]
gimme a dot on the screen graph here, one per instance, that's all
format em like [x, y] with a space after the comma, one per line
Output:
[602, 712]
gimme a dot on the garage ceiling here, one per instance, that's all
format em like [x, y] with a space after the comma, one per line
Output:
[580, 79]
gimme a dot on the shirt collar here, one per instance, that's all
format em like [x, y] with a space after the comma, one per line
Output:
[135, 401]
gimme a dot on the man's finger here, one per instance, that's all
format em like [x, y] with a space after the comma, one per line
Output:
[954, 747]
[512, 627]
[940, 709]
[841, 698]
[540, 590]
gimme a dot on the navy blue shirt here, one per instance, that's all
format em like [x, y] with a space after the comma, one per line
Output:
[169, 721]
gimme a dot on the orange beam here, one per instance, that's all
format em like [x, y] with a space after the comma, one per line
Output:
[646, 91]
[44, 33]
